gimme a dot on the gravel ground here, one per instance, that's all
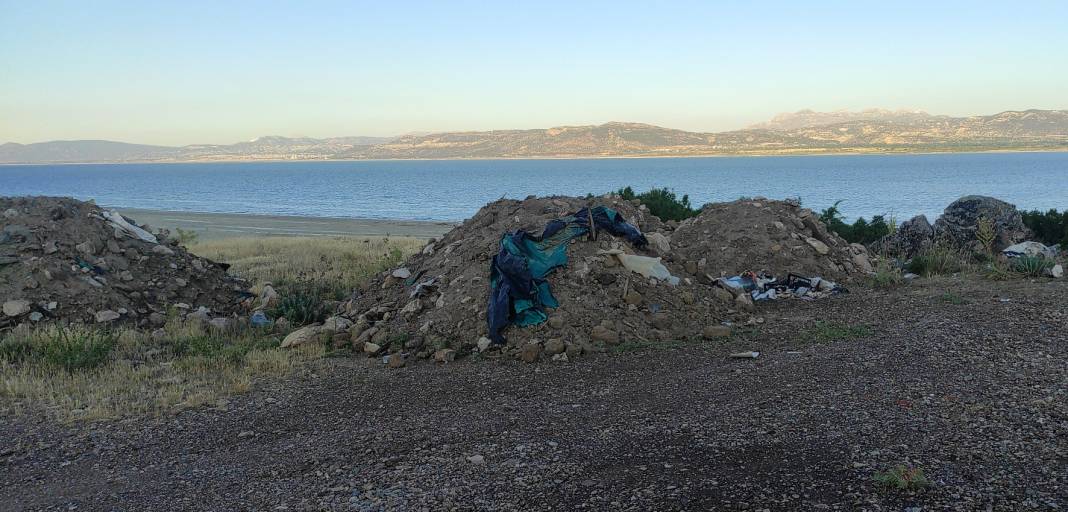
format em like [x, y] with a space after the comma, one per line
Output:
[973, 393]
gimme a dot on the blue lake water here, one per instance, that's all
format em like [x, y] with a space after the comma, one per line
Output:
[902, 185]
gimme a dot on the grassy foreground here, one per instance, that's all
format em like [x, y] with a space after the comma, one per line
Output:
[88, 372]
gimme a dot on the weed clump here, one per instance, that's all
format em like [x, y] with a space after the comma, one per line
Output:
[939, 259]
[902, 478]
[1031, 266]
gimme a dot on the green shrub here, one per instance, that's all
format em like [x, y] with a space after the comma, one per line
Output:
[860, 231]
[69, 349]
[662, 202]
[887, 275]
[300, 308]
[186, 237]
[939, 259]
[902, 479]
[1031, 266]
[1050, 228]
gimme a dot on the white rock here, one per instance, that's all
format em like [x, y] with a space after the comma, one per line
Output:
[1029, 248]
[371, 348]
[477, 460]
[162, 249]
[819, 246]
[402, 273]
[106, 315]
[484, 343]
[16, 307]
[301, 336]
[659, 242]
[1057, 271]
[336, 324]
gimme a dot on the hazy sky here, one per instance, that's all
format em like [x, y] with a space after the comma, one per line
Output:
[223, 71]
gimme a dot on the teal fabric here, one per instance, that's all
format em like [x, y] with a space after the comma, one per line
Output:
[542, 257]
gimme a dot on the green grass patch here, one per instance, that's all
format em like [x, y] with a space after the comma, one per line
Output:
[901, 478]
[68, 349]
[938, 260]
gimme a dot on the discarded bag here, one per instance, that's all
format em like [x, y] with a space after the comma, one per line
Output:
[644, 265]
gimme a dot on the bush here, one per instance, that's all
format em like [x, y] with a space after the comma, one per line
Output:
[186, 237]
[887, 275]
[902, 479]
[1051, 228]
[662, 202]
[300, 307]
[938, 260]
[1031, 266]
[861, 231]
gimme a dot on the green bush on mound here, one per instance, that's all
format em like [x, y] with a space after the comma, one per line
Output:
[861, 231]
[662, 202]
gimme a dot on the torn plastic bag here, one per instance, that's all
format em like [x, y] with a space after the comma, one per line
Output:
[644, 265]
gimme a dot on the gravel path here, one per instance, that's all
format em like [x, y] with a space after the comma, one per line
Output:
[972, 393]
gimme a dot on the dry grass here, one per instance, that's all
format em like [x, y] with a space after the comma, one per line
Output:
[342, 263]
[89, 373]
[127, 373]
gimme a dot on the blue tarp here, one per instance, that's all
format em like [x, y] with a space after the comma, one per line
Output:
[519, 291]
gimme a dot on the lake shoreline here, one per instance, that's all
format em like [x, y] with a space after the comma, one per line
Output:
[214, 226]
[815, 153]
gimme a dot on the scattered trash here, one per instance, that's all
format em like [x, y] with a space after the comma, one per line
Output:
[745, 355]
[259, 319]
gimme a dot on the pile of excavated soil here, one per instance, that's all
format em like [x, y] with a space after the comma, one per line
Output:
[601, 302]
[63, 260]
[777, 237]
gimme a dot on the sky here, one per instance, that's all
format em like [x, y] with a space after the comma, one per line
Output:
[175, 73]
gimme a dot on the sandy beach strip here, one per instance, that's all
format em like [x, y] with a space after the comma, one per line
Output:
[210, 226]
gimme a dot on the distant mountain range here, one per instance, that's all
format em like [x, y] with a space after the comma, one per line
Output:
[804, 132]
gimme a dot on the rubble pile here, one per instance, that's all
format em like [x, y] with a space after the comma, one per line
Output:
[958, 226]
[435, 305]
[74, 262]
[777, 237]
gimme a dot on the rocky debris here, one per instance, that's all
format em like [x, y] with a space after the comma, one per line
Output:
[911, 238]
[957, 226]
[437, 299]
[960, 220]
[442, 303]
[72, 261]
[777, 237]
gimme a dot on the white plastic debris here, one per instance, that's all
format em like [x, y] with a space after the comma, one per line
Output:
[119, 222]
[644, 265]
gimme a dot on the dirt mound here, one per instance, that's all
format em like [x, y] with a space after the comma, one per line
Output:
[601, 301]
[599, 298]
[68, 260]
[777, 237]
